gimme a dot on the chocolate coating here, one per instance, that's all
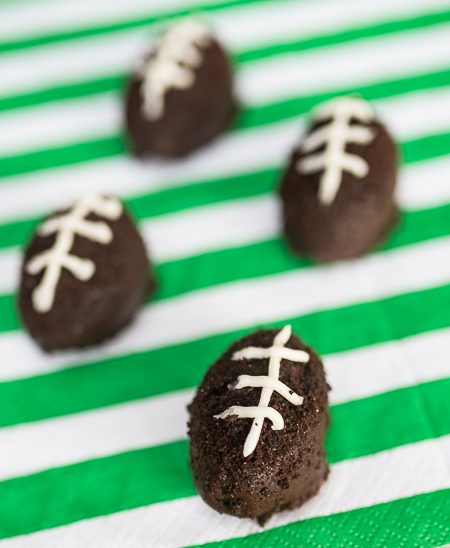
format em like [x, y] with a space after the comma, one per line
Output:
[362, 213]
[192, 116]
[288, 466]
[87, 312]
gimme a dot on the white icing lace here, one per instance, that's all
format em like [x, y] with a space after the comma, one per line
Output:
[335, 136]
[177, 54]
[269, 384]
[66, 227]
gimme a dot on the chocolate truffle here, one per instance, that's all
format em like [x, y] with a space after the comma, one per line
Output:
[257, 426]
[338, 189]
[84, 274]
[182, 95]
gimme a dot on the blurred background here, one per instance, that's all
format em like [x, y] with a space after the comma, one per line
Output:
[93, 448]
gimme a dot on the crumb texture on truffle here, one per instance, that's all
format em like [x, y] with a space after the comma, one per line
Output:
[337, 191]
[288, 465]
[84, 274]
[182, 97]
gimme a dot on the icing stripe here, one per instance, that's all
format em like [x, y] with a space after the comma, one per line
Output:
[177, 55]
[276, 385]
[268, 384]
[58, 257]
[334, 137]
[275, 354]
[254, 412]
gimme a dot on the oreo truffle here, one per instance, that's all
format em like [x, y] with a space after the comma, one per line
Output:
[84, 275]
[182, 95]
[338, 190]
[257, 426]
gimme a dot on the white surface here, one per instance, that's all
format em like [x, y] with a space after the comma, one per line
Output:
[389, 475]
[243, 303]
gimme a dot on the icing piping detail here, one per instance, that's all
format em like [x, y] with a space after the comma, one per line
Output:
[66, 227]
[334, 136]
[269, 384]
[177, 55]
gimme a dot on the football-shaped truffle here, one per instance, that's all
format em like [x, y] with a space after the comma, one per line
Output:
[84, 274]
[338, 190]
[257, 426]
[182, 95]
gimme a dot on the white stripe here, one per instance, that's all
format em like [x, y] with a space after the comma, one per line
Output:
[345, 65]
[89, 435]
[408, 116]
[37, 193]
[213, 227]
[65, 440]
[115, 53]
[26, 19]
[256, 23]
[386, 476]
[52, 16]
[59, 124]
[251, 302]
[10, 262]
[90, 118]
[229, 224]
[281, 22]
[247, 221]
[383, 367]
[425, 184]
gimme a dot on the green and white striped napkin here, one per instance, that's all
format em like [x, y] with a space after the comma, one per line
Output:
[93, 449]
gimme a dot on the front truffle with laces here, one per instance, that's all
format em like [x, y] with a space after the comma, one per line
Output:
[338, 189]
[181, 96]
[84, 274]
[257, 426]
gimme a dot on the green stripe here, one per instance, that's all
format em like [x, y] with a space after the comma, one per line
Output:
[249, 118]
[417, 522]
[169, 200]
[272, 257]
[348, 35]
[62, 92]
[115, 82]
[17, 44]
[66, 155]
[209, 191]
[219, 267]
[9, 320]
[161, 473]
[258, 116]
[138, 375]
[256, 260]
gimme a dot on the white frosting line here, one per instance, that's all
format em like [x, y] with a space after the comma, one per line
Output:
[177, 54]
[335, 136]
[255, 412]
[269, 385]
[66, 227]
[249, 381]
